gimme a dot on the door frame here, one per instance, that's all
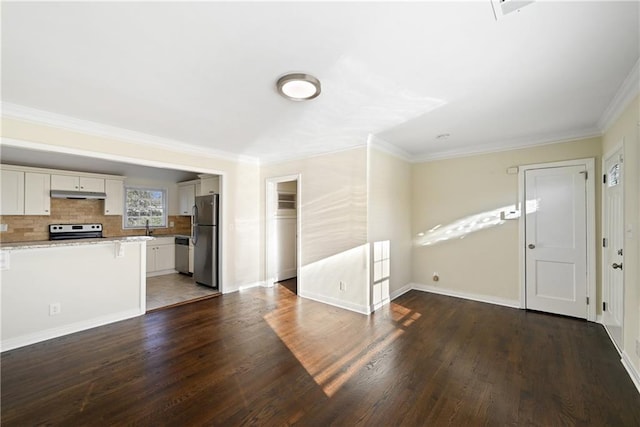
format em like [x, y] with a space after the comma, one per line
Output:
[589, 164]
[603, 262]
[271, 194]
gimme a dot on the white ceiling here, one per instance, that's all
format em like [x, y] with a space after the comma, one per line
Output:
[204, 73]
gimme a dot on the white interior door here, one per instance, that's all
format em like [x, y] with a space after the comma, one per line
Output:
[556, 242]
[612, 252]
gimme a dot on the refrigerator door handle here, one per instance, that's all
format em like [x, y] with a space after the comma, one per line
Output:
[194, 213]
[194, 236]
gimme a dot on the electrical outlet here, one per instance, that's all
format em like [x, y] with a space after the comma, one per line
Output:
[343, 286]
[4, 227]
[54, 308]
[171, 224]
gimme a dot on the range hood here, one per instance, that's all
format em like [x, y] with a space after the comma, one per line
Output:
[64, 194]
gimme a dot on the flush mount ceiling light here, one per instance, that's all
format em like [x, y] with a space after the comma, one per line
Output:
[298, 86]
[504, 7]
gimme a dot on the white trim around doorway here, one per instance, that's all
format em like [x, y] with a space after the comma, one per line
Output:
[271, 185]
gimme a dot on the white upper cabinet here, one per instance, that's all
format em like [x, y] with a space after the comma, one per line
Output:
[91, 184]
[12, 198]
[27, 190]
[187, 198]
[77, 183]
[114, 203]
[209, 185]
[37, 193]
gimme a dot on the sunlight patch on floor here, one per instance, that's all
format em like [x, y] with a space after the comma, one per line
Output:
[331, 364]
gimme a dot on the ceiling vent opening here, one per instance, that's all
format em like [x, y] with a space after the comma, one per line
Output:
[505, 7]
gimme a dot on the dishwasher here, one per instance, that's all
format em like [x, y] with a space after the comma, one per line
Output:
[182, 255]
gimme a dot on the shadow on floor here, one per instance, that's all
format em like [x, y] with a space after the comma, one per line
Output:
[291, 284]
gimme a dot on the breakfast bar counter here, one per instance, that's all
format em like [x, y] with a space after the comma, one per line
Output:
[54, 288]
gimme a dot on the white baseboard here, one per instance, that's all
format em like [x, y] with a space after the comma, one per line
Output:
[465, 295]
[252, 285]
[399, 292]
[161, 273]
[393, 295]
[28, 339]
[631, 370]
[379, 304]
[362, 309]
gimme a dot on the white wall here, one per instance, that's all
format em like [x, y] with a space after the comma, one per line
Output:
[92, 285]
[482, 264]
[333, 202]
[627, 129]
[389, 224]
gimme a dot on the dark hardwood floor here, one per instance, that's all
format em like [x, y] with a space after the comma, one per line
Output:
[291, 284]
[265, 357]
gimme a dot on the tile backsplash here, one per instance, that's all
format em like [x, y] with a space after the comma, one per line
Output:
[26, 228]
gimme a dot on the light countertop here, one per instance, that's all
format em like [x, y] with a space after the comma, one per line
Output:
[72, 242]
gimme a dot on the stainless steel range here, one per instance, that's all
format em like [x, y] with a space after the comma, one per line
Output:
[74, 231]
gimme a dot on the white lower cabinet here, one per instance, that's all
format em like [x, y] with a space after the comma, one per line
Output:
[161, 256]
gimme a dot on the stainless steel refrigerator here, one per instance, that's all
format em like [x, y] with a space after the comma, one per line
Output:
[205, 240]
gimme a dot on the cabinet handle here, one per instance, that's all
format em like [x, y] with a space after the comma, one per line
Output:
[46, 210]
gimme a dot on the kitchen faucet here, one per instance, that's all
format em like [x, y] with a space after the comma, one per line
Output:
[147, 230]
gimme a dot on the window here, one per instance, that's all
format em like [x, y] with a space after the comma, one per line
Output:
[145, 204]
[614, 175]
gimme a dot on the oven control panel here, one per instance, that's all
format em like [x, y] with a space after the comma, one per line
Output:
[65, 228]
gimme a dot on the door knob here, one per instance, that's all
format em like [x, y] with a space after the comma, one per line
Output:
[531, 246]
[616, 265]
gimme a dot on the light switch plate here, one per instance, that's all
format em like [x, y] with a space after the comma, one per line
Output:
[4, 227]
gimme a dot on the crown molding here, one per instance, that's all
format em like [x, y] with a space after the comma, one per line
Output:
[304, 156]
[627, 91]
[514, 144]
[41, 117]
[380, 144]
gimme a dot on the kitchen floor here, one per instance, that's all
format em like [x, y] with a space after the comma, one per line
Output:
[174, 289]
